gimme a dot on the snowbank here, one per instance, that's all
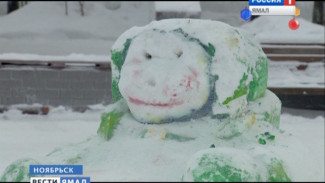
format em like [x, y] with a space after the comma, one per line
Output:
[43, 28]
[132, 158]
[274, 29]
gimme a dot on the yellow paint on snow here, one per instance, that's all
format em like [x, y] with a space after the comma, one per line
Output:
[150, 132]
[154, 119]
[232, 41]
[163, 134]
[252, 121]
[201, 58]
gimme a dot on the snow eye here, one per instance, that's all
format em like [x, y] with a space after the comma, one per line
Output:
[179, 54]
[148, 56]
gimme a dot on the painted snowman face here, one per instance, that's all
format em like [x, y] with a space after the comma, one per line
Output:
[164, 77]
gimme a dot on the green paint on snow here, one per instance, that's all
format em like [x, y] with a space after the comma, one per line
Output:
[73, 160]
[210, 49]
[240, 91]
[241, 60]
[261, 141]
[118, 58]
[179, 138]
[212, 169]
[262, 138]
[116, 94]
[277, 172]
[271, 137]
[18, 171]
[258, 85]
[266, 116]
[110, 120]
[54, 151]
[108, 124]
[273, 117]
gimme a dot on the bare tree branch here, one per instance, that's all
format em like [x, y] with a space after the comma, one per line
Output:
[81, 3]
[318, 12]
[66, 8]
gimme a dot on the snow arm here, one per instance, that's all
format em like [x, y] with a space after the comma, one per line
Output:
[110, 120]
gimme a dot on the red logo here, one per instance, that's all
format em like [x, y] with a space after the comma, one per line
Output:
[289, 2]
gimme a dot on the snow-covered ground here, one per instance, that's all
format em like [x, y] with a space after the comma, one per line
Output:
[301, 145]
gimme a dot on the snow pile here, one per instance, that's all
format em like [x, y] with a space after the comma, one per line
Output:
[274, 29]
[129, 156]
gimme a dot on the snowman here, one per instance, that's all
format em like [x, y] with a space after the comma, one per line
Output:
[176, 70]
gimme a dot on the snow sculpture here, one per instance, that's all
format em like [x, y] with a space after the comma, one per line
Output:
[183, 69]
[176, 70]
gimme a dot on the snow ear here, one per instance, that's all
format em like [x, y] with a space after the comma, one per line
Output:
[118, 58]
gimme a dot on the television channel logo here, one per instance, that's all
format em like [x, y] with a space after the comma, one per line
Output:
[52, 170]
[273, 7]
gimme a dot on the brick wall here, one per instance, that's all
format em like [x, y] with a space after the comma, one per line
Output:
[74, 86]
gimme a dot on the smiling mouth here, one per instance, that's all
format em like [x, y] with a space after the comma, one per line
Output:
[171, 103]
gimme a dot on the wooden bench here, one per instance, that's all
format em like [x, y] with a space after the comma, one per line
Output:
[299, 97]
[56, 64]
[305, 53]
